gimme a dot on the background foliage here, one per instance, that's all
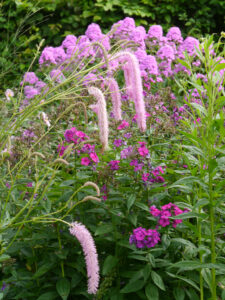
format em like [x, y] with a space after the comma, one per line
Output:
[23, 23]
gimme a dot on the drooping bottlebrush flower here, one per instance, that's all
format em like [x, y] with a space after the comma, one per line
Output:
[135, 84]
[116, 97]
[102, 115]
[91, 257]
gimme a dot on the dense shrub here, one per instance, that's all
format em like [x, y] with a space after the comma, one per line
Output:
[24, 23]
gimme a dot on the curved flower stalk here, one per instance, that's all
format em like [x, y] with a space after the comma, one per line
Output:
[100, 109]
[116, 97]
[134, 84]
[91, 257]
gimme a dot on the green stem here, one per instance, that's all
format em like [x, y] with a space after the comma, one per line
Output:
[60, 247]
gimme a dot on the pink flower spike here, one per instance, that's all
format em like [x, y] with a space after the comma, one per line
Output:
[116, 97]
[91, 257]
[102, 115]
[134, 84]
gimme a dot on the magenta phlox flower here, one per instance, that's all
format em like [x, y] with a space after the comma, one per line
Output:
[94, 157]
[117, 143]
[30, 92]
[145, 177]
[124, 124]
[157, 171]
[87, 148]
[144, 238]
[114, 164]
[69, 41]
[85, 161]
[167, 211]
[143, 151]
[61, 149]
[126, 152]
[155, 32]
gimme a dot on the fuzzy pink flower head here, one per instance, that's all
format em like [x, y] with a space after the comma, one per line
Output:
[85, 161]
[91, 257]
[123, 125]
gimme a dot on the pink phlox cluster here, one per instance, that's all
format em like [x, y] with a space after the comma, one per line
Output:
[155, 32]
[124, 124]
[75, 136]
[57, 75]
[30, 91]
[114, 164]
[90, 78]
[52, 55]
[167, 211]
[61, 149]
[142, 150]
[127, 152]
[174, 34]
[29, 77]
[189, 45]
[166, 53]
[69, 41]
[92, 156]
[87, 243]
[125, 27]
[138, 35]
[143, 238]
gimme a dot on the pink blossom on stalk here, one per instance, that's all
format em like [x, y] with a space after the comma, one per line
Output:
[102, 115]
[116, 97]
[133, 70]
[91, 257]
[85, 161]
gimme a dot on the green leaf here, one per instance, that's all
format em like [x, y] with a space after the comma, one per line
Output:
[131, 201]
[192, 265]
[42, 270]
[158, 280]
[178, 293]
[189, 281]
[63, 288]
[184, 242]
[133, 287]
[219, 67]
[4, 257]
[102, 229]
[189, 215]
[142, 206]
[133, 219]
[184, 63]
[151, 292]
[109, 263]
[146, 272]
[48, 296]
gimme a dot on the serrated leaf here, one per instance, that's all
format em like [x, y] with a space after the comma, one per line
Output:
[157, 280]
[63, 288]
[151, 292]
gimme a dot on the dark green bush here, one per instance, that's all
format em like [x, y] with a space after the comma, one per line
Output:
[23, 23]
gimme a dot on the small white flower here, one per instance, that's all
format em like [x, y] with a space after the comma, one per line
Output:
[9, 94]
[45, 119]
